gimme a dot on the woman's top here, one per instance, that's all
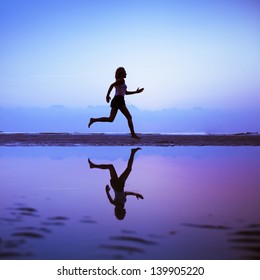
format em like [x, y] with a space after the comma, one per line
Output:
[120, 198]
[120, 90]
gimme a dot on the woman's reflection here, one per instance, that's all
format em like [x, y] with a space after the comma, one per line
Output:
[118, 184]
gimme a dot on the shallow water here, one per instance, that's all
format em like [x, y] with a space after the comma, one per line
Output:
[199, 203]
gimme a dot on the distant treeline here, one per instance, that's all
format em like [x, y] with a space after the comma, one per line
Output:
[63, 119]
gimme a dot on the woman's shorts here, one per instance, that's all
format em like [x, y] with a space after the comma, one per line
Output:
[117, 102]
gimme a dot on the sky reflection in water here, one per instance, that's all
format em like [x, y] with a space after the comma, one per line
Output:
[198, 203]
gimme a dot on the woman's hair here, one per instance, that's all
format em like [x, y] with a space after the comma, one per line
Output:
[120, 213]
[119, 73]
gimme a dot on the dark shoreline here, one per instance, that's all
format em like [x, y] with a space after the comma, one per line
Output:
[102, 139]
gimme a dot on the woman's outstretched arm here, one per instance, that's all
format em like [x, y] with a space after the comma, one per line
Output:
[134, 92]
[137, 195]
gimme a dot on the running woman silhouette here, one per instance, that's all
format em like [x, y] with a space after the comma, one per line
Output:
[118, 102]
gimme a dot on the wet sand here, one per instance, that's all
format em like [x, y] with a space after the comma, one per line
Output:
[103, 139]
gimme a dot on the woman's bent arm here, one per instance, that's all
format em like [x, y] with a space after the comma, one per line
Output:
[108, 93]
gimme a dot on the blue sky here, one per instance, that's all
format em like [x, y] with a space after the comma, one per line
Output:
[184, 53]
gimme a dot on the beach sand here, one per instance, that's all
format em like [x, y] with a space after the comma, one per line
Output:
[103, 139]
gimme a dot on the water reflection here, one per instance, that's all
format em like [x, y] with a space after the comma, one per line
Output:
[118, 185]
[25, 225]
[207, 203]
[247, 240]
